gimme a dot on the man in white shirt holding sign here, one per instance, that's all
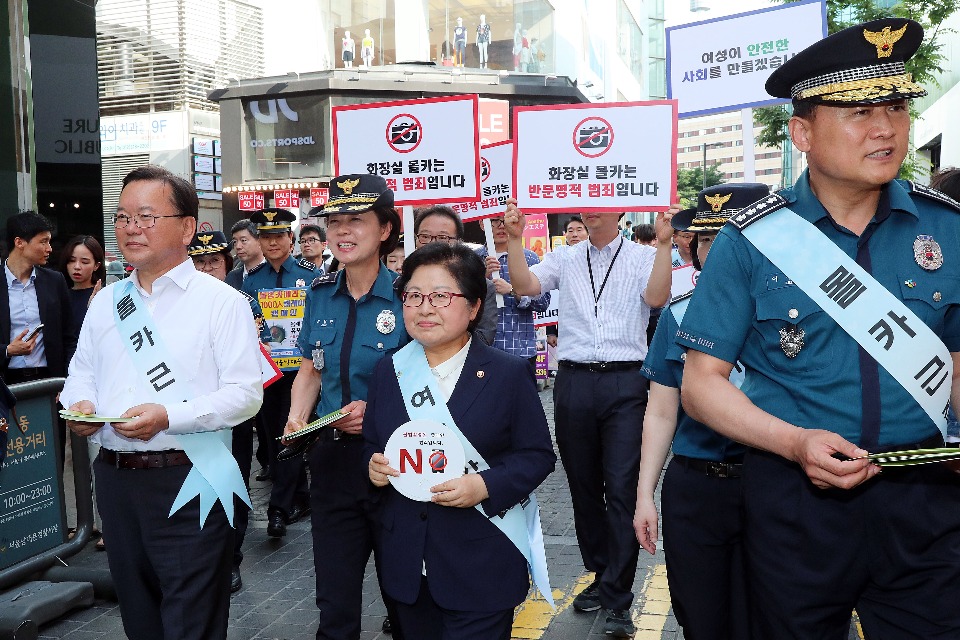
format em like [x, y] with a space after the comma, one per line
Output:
[172, 353]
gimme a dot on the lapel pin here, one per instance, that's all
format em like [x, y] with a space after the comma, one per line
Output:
[937, 296]
[911, 283]
[480, 374]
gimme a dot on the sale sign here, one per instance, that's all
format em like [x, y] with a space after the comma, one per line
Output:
[251, 201]
[319, 197]
[286, 199]
[428, 150]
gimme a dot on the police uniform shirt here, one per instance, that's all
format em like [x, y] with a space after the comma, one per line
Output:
[293, 273]
[258, 319]
[664, 365]
[346, 327]
[821, 388]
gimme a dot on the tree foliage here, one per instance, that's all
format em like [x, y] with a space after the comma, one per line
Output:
[924, 65]
[690, 182]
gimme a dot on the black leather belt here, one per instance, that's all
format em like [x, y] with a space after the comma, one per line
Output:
[26, 373]
[143, 459]
[602, 367]
[336, 435]
[712, 468]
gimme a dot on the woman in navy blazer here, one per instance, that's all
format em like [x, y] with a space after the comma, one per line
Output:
[453, 573]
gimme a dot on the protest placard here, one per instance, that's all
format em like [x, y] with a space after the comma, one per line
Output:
[496, 183]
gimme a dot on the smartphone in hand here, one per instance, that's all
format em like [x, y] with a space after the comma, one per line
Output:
[33, 333]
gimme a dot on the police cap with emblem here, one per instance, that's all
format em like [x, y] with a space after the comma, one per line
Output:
[716, 204]
[357, 193]
[272, 220]
[205, 242]
[857, 66]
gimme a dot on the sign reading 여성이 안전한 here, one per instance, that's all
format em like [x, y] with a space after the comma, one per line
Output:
[428, 150]
[590, 157]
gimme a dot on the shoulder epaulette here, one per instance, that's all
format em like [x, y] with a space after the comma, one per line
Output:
[757, 211]
[246, 295]
[329, 278]
[256, 268]
[306, 264]
[681, 297]
[933, 194]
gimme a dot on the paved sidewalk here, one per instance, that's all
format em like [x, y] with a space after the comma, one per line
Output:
[277, 599]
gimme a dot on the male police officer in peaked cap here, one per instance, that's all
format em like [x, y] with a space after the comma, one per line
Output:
[290, 497]
[840, 300]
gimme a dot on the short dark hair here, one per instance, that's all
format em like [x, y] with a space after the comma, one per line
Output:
[947, 181]
[388, 215]
[573, 219]
[644, 233]
[244, 225]
[466, 267]
[805, 109]
[441, 210]
[100, 273]
[312, 228]
[26, 225]
[629, 223]
[182, 193]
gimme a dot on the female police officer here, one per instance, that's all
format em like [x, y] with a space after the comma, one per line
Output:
[701, 489]
[351, 321]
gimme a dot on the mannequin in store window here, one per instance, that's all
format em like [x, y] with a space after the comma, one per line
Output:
[525, 54]
[459, 42]
[517, 47]
[349, 48]
[483, 40]
[366, 48]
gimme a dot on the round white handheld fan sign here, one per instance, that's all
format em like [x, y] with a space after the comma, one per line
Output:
[426, 454]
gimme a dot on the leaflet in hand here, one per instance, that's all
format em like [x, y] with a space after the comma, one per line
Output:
[76, 416]
[320, 423]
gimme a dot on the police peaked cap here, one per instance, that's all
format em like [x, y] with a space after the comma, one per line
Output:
[716, 204]
[356, 193]
[273, 220]
[205, 242]
[859, 65]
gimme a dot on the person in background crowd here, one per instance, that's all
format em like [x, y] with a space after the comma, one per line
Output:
[350, 323]
[172, 576]
[515, 332]
[645, 234]
[439, 223]
[825, 530]
[700, 500]
[575, 231]
[627, 231]
[452, 573]
[210, 252]
[289, 497]
[247, 247]
[82, 264]
[682, 250]
[600, 394]
[313, 242]
[394, 259]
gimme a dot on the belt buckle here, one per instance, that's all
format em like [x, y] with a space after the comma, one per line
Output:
[337, 434]
[598, 367]
[718, 469]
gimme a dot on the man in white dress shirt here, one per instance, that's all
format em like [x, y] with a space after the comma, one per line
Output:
[172, 575]
[607, 286]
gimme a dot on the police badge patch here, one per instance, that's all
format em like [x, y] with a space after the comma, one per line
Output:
[791, 340]
[927, 253]
[386, 321]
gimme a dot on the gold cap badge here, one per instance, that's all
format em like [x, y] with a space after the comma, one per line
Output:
[269, 215]
[205, 239]
[348, 185]
[716, 202]
[884, 39]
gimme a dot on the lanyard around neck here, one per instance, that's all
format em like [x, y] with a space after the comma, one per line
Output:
[593, 288]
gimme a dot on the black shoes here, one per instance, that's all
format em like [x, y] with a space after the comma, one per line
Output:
[618, 623]
[301, 509]
[235, 580]
[276, 523]
[264, 474]
[387, 626]
[589, 598]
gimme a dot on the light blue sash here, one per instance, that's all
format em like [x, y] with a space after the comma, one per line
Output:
[879, 321]
[737, 374]
[215, 474]
[424, 401]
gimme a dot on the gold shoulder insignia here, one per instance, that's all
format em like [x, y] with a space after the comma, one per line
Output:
[884, 39]
[348, 185]
[716, 202]
[205, 239]
[269, 215]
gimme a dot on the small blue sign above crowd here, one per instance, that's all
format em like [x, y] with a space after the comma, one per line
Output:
[595, 157]
[428, 150]
[722, 64]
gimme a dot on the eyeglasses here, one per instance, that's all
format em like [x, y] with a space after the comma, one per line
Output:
[142, 220]
[438, 299]
[426, 238]
[498, 222]
[310, 240]
[209, 262]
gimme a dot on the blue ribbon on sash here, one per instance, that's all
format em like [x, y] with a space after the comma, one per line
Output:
[215, 474]
[738, 373]
[879, 321]
[520, 523]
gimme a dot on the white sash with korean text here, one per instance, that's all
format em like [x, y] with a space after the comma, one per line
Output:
[215, 474]
[424, 401]
[880, 322]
